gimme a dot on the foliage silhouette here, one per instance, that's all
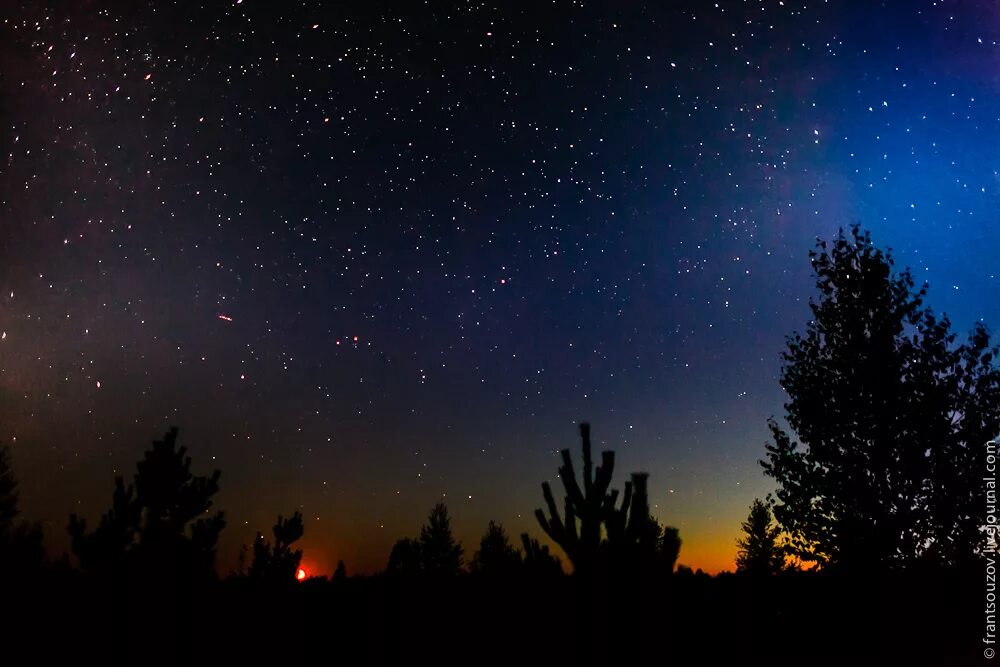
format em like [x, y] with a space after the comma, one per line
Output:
[8, 490]
[759, 552]
[892, 415]
[608, 535]
[340, 574]
[538, 562]
[157, 523]
[278, 563]
[496, 555]
[435, 552]
[667, 547]
[404, 559]
[439, 553]
[21, 550]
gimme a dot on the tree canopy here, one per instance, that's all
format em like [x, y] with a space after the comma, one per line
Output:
[891, 416]
[160, 521]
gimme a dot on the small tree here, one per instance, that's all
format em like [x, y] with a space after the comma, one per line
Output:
[404, 559]
[668, 547]
[439, 553]
[435, 552]
[278, 562]
[759, 552]
[496, 555]
[538, 562]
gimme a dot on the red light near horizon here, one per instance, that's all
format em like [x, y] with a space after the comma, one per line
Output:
[300, 574]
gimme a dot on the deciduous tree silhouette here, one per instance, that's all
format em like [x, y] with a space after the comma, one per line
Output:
[891, 414]
[759, 552]
[496, 555]
[278, 562]
[159, 522]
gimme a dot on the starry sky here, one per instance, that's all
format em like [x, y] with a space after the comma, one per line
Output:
[371, 255]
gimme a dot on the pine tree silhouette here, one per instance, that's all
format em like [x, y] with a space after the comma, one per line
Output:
[439, 553]
[8, 490]
[21, 551]
[159, 522]
[759, 552]
[278, 563]
[496, 556]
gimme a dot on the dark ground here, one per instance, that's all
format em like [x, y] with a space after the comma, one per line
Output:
[687, 619]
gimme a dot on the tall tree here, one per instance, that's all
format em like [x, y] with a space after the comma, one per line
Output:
[890, 413]
[759, 552]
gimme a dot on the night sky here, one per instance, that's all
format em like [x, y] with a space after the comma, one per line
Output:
[368, 256]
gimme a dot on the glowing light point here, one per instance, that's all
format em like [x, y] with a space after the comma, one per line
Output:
[300, 574]
[225, 318]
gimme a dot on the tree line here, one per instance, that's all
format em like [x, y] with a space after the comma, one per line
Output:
[877, 467]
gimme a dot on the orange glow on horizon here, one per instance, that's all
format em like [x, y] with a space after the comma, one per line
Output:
[300, 574]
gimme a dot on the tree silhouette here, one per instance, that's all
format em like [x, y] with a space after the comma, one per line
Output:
[21, 549]
[582, 546]
[538, 562]
[278, 563]
[608, 534]
[759, 552]
[496, 555]
[439, 553]
[8, 490]
[435, 552]
[159, 522]
[404, 559]
[340, 574]
[668, 547]
[105, 549]
[892, 416]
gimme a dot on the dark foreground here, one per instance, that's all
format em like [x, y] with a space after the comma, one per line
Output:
[685, 619]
